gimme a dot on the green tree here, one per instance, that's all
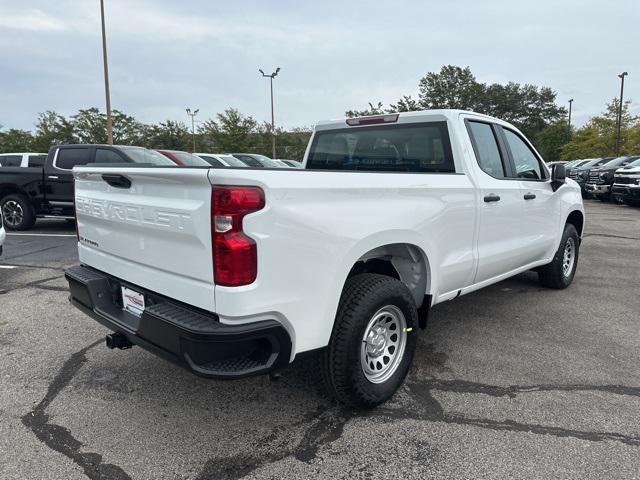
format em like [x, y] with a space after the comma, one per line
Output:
[52, 129]
[530, 108]
[405, 104]
[598, 137]
[377, 109]
[550, 141]
[169, 135]
[126, 129]
[231, 131]
[14, 140]
[451, 87]
[90, 126]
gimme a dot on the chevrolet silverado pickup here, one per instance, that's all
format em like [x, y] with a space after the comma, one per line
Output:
[626, 184]
[237, 271]
[27, 193]
[600, 179]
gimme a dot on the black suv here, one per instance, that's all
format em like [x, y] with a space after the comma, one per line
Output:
[600, 178]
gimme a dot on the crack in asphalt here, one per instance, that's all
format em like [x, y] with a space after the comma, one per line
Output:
[59, 438]
[329, 424]
[609, 235]
[34, 283]
[324, 426]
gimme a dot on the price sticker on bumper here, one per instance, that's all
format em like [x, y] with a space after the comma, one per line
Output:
[132, 301]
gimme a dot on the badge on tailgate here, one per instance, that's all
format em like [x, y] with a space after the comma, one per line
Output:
[132, 301]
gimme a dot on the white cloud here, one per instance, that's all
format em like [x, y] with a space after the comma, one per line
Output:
[33, 20]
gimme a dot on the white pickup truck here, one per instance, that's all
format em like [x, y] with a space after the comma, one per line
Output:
[235, 272]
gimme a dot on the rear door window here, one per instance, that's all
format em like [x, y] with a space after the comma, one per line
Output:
[485, 145]
[37, 160]
[70, 157]
[420, 147]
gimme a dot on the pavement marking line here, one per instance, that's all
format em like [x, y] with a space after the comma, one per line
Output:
[8, 266]
[42, 234]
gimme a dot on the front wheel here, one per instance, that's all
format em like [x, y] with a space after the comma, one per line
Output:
[373, 341]
[560, 272]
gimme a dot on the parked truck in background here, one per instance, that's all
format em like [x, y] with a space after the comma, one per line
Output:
[600, 179]
[27, 193]
[626, 184]
[236, 272]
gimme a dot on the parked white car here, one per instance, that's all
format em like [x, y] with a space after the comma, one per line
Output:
[22, 159]
[221, 160]
[236, 272]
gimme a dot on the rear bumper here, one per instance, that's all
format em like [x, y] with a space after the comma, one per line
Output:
[190, 337]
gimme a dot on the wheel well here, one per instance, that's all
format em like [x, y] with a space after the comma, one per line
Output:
[9, 189]
[576, 219]
[402, 261]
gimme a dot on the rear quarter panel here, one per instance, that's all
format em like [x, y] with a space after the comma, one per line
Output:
[317, 224]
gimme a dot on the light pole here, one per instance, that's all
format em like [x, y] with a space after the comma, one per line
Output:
[621, 77]
[570, 102]
[193, 126]
[106, 76]
[273, 123]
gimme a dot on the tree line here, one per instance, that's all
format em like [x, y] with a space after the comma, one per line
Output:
[533, 109]
[230, 131]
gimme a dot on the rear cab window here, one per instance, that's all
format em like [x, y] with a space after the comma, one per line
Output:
[413, 147]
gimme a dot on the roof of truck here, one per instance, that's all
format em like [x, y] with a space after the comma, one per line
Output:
[410, 117]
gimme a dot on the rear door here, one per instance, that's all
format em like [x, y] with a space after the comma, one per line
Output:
[150, 226]
[59, 177]
[500, 248]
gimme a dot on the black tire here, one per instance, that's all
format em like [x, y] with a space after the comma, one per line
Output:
[363, 297]
[17, 212]
[553, 275]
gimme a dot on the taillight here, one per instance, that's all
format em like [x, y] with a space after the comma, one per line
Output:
[75, 213]
[235, 255]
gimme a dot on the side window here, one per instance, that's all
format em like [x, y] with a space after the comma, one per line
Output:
[525, 161]
[37, 160]
[108, 156]
[486, 148]
[10, 160]
[70, 157]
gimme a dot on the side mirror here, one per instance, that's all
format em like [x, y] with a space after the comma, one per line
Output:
[558, 176]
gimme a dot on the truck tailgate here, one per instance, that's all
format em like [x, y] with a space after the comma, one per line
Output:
[154, 233]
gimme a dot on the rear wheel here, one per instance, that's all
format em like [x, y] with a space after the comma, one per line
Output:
[373, 341]
[560, 272]
[17, 212]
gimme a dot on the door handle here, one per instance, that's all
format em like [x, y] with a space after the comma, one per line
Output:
[53, 177]
[116, 180]
[492, 198]
[529, 196]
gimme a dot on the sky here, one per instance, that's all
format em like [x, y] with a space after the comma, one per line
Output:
[334, 56]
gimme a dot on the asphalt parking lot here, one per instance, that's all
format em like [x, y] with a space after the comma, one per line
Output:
[511, 381]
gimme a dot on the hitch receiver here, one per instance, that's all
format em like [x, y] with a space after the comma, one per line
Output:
[118, 340]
